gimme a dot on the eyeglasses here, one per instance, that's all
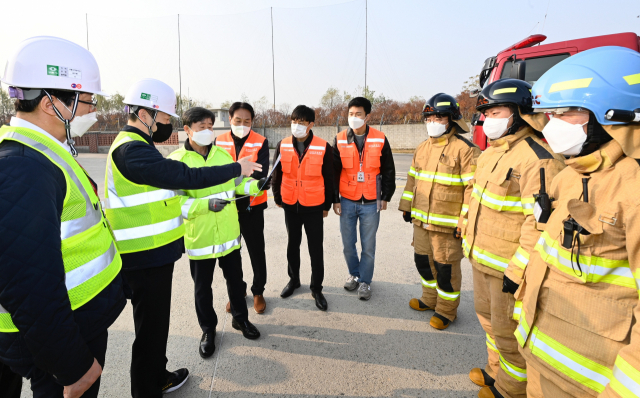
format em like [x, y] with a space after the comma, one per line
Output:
[93, 103]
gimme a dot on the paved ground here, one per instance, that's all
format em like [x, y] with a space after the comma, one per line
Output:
[379, 348]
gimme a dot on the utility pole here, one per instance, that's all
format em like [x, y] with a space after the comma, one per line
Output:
[86, 20]
[366, 39]
[179, 68]
[273, 63]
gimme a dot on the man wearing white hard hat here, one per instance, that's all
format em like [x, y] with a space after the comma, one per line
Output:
[60, 284]
[144, 211]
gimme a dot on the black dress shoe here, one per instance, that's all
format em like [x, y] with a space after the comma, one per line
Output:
[289, 289]
[207, 345]
[175, 380]
[321, 302]
[248, 330]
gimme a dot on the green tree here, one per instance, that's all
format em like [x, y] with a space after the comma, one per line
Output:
[331, 98]
[226, 105]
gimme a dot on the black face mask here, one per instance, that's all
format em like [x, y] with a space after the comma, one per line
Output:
[162, 133]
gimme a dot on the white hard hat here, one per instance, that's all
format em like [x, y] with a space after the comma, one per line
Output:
[53, 63]
[152, 94]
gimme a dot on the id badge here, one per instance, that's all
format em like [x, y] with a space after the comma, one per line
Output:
[360, 176]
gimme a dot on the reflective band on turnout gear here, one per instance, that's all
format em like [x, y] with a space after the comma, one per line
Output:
[432, 218]
[440, 178]
[626, 379]
[465, 209]
[430, 284]
[142, 217]
[568, 362]
[496, 202]
[485, 257]
[407, 195]
[451, 296]
[522, 331]
[491, 343]
[517, 310]
[521, 258]
[528, 205]
[594, 269]
[512, 370]
[89, 254]
[214, 249]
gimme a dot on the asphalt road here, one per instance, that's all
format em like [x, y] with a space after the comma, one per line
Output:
[377, 348]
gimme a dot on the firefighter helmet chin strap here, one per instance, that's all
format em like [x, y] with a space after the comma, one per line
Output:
[67, 122]
[518, 122]
[596, 136]
[155, 114]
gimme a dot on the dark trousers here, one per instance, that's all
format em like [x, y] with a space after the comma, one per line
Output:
[151, 301]
[202, 274]
[10, 382]
[44, 385]
[314, 228]
[252, 230]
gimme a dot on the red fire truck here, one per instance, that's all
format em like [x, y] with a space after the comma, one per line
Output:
[539, 59]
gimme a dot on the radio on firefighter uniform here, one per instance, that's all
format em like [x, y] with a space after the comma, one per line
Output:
[542, 208]
[571, 225]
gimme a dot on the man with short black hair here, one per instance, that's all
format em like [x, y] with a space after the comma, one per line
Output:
[212, 229]
[303, 186]
[242, 141]
[365, 181]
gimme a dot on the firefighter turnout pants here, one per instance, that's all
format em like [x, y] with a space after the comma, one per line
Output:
[495, 313]
[437, 257]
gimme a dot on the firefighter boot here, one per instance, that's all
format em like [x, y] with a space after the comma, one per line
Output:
[419, 304]
[489, 392]
[481, 378]
[439, 322]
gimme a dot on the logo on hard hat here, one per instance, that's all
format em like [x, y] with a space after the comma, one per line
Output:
[156, 106]
[74, 85]
[53, 70]
[536, 100]
[482, 101]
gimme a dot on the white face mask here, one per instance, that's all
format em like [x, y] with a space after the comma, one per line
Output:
[495, 128]
[202, 137]
[240, 131]
[81, 124]
[355, 122]
[299, 130]
[563, 137]
[435, 129]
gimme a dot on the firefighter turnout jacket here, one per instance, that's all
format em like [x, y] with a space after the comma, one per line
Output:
[578, 326]
[439, 182]
[501, 228]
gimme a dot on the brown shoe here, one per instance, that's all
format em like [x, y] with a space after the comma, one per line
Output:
[228, 307]
[259, 305]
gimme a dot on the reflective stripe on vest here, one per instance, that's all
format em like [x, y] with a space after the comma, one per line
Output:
[145, 217]
[594, 269]
[353, 162]
[187, 205]
[568, 362]
[214, 249]
[89, 254]
[254, 140]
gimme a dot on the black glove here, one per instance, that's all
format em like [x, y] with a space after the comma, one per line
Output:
[407, 216]
[457, 233]
[264, 183]
[215, 205]
[509, 286]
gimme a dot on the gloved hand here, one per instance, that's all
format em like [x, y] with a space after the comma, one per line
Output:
[407, 216]
[509, 286]
[266, 182]
[215, 205]
[457, 233]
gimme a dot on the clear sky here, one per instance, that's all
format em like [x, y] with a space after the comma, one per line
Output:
[415, 47]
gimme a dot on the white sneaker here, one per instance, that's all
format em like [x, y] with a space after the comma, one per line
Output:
[351, 283]
[364, 291]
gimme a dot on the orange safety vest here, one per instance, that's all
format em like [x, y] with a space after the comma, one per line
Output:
[251, 148]
[353, 162]
[302, 182]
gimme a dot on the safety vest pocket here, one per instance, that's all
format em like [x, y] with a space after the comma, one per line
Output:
[348, 185]
[288, 191]
[373, 158]
[314, 166]
[346, 156]
[312, 195]
[577, 306]
[286, 160]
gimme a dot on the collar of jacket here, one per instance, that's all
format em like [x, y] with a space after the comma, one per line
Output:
[131, 129]
[188, 147]
[503, 144]
[307, 142]
[351, 136]
[443, 140]
[602, 159]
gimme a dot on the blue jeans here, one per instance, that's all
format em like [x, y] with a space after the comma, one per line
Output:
[369, 218]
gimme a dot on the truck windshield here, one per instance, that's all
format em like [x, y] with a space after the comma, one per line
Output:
[536, 67]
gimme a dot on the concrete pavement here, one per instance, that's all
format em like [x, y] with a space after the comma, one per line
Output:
[378, 348]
